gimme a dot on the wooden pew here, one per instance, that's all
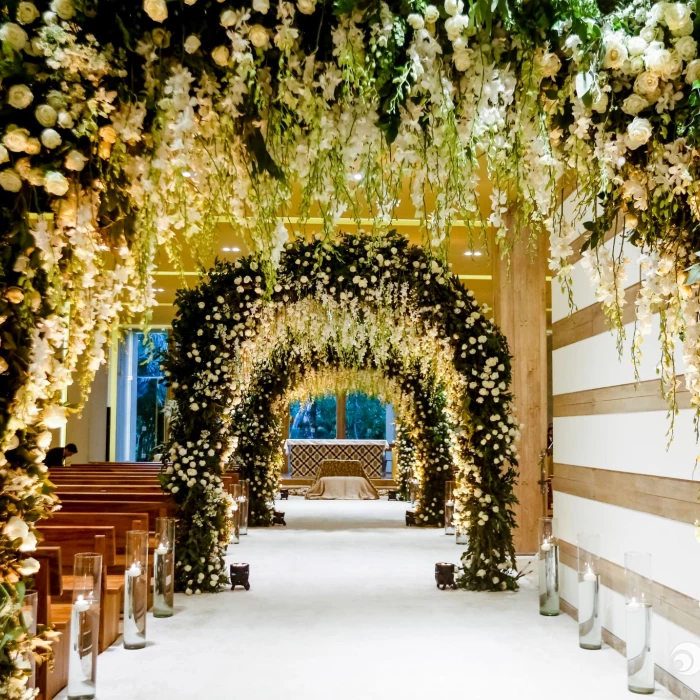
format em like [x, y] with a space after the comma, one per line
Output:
[134, 496]
[154, 509]
[122, 522]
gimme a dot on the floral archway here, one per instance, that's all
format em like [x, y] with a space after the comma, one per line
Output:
[362, 302]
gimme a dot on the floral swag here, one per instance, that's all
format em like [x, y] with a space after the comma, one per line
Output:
[370, 305]
[126, 131]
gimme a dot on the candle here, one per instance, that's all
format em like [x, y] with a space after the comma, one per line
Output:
[546, 546]
[161, 549]
[589, 576]
[81, 605]
[134, 570]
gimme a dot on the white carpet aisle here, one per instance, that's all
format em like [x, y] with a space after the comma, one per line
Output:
[343, 605]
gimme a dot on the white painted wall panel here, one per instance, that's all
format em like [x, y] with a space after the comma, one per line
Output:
[675, 552]
[629, 442]
[666, 635]
[594, 362]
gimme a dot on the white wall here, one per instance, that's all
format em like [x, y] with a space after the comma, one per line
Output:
[624, 442]
[89, 432]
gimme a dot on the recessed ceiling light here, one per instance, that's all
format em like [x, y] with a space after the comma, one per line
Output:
[355, 176]
[235, 249]
[226, 250]
[159, 289]
[475, 253]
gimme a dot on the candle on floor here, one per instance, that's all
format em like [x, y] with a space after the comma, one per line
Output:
[638, 597]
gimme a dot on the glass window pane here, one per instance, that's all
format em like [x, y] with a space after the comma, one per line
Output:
[365, 417]
[313, 419]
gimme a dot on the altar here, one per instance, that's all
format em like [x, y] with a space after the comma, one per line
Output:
[305, 456]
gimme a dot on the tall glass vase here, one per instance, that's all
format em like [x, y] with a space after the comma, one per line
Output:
[244, 509]
[135, 589]
[29, 612]
[237, 493]
[450, 507]
[638, 606]
[84, 627]
[549, 567]
[164, 568]
[590, 635]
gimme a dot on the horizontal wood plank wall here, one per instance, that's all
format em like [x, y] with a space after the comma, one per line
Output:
[670, 604]
[623, 398]
[590, 321]
[675, 499]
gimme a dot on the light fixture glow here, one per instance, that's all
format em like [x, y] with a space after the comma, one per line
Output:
[159, 289]
[234, 249]
[474, 253]
[186, 173]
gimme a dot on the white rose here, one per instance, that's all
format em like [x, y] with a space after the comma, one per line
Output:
[10, 180]
[638, 132]
[29, 543]
[657, 61]
[15, 529]
[65, 121]
[692, 71]
[4, 155]
[220, 55]
[63, 8]
[601, 104]
[673, 68]
[648, 34]
[51, 138]
[26, 12]
[306, 7]
[46, 115]
[687, 48]
[636, 45]
[455, 25]
[261, 6]
[53, 417]
[43, 439]
[635, 66]
[258, 36]
[228, 18]
[615, 54]
[192, 43]
[14, 35]
[157, 10]
[36, 177]
[13, 443]
[454, 7]
[56, 184]
[462, 60]
[28, 566]
[432, 14]
[685, 29]
[416, 21]
[75, 160]
[676, 15]
[548, 63]
[646, 83]
[19, 96]
[33, 146]
[634, 104]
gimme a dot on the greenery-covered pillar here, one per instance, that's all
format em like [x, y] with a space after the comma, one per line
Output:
[520, 310]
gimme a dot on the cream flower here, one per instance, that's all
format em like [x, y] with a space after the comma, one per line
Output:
[75, 160]
[14, 35]
[16, 529]
[432, 14]
[108, 133]
[19, 96]
[634, 104]
[454, 7]
[157, 10]
[228, 18]
[56, 183]
[3, 366]
[615, 54]
[220, 55]
[687, 48]
[192, 43]
[53, 417]
[463, 60]
[646, 84]
[26, 12]
[28, 566]
[63, 8]
[51, 138]
[638, 132]
[306, 7]
[33, 146]
[259, 36]
[261, 6]
[415, 21]
[4, 155]
[548, 63]
[10, 181]
[46, 115]
[692, 71]
[43, 439]
[65, 121]
[636, 45]
[676, 15]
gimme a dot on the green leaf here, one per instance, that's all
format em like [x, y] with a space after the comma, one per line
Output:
[584, 84]
[693, 274]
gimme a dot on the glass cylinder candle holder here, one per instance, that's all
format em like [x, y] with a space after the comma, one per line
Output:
[243, 507]
[549, 567]
[590, 634]
[449, 507]
[413, 490]
[638, 606]
[29, 612]
[461, 536]
[236, 491]
[84, 627]
[135, 589]
[164, 568]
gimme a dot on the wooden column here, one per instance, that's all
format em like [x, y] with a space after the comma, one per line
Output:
[340, 428]
[520, 309]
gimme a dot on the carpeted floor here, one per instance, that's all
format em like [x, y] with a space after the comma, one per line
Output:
[343, 606]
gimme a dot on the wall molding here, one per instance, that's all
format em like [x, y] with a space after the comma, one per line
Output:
[590, 321]
[675, 499]
[622, 398]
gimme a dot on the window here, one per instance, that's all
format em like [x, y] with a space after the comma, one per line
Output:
[313, 419]
[365, 417]
[141, 396]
